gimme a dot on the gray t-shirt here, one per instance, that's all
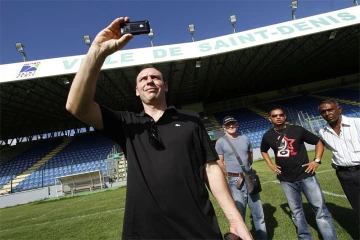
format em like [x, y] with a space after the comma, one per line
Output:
[242, 146]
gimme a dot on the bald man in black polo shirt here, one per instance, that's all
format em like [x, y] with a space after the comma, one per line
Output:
[170, 157]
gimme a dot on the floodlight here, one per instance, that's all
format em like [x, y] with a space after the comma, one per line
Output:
[332, 34]
[151, 35]
[233, 19]
[21, 49]
[191, 28]
[87, 40]
[294, 4]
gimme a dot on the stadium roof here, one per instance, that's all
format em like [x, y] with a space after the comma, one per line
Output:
[33, 94]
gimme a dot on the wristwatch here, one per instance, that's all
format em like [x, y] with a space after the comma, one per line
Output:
[317, 160]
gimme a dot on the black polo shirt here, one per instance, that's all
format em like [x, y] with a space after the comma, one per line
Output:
[166, 193]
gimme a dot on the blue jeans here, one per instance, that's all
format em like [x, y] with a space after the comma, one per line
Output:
[242, 198]
[312, 191]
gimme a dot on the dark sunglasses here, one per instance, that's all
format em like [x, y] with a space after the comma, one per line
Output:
[275, 115]
[154, 139]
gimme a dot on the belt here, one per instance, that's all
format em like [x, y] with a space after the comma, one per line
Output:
[232, 174]
[350, 169]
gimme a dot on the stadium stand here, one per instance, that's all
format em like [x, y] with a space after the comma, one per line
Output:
[84, 153]
[342, 94]
[9, 152]
[24, 161]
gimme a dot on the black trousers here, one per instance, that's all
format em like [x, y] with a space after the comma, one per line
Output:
[350, 182]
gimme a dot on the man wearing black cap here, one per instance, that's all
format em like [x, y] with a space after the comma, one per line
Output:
[232, 169]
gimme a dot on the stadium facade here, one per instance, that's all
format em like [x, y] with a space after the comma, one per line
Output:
[292, 64]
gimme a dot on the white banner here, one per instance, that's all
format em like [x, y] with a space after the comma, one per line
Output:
[223, 44]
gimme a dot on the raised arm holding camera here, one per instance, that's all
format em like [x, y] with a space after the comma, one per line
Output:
[170, 156]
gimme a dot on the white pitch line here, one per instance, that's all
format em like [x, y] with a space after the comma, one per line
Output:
[64, 219]
[275, 181]
[329, 170]
[334, 194]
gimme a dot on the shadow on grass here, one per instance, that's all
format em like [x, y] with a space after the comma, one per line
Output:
[343, 216]
[309, 215]
[270, 221]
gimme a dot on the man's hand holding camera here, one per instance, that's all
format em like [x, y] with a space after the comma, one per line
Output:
[109, 40]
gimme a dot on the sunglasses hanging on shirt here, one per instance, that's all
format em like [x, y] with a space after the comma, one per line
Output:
[154, 138]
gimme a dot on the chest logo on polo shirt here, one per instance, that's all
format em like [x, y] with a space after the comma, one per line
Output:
[177, 125]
